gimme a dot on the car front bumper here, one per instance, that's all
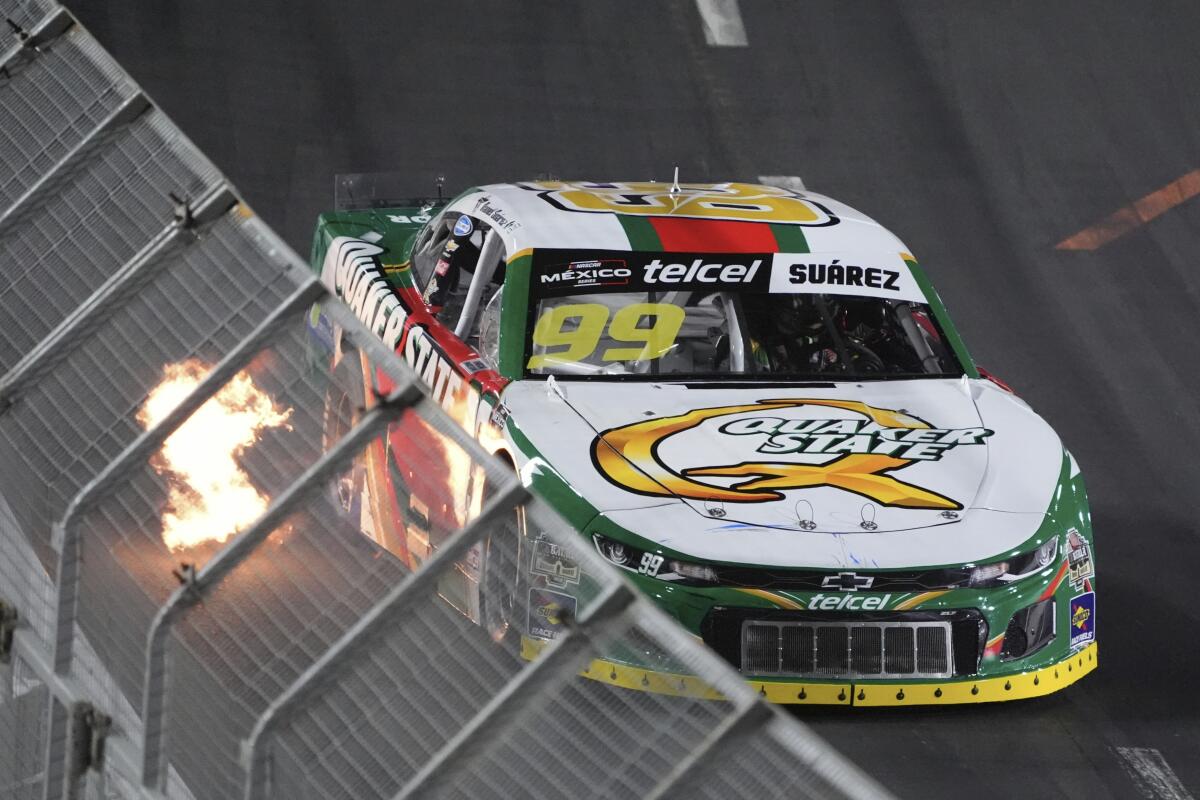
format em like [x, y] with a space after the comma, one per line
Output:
[978, 666]
[796, 691]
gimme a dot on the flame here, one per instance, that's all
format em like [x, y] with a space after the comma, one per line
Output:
[459, 478]
[463, 477]
[210, 496]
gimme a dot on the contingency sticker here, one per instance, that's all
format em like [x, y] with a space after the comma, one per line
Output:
[549, 611]
[1079, 559]
[1083, 619]
[552, 561]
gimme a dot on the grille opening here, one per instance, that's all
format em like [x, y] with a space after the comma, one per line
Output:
[899, 651]
[840, 645]
[836, 650]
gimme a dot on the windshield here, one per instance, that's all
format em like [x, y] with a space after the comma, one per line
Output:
[705, 315]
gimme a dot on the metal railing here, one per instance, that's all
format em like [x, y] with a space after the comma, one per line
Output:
[299, 658]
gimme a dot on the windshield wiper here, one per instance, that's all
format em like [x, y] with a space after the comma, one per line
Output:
[886, 376]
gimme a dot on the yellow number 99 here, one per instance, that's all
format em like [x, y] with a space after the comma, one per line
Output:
[555, 329]
[552, 331]
[657, 339]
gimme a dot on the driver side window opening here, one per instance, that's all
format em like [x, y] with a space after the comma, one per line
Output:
[464, 277]
[489, 329]
[430, 242]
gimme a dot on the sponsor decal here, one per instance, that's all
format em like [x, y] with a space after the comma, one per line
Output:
[847, 581]
[352, 271]
[474, 365]
[865, 274]
[1079, 558]
[1083, 619]
[738, 202]
[500, 414]
[552, 561]
[499, 220]
[407, 219]
[464, 226]
[836, 274]
[548, 612]
[321, 329]
[700, 272]
[592, 272]
[447, 387]
[853, 455]
[848, 602]
[784, 436]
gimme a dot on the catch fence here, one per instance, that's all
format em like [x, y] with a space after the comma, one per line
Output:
[146, 312]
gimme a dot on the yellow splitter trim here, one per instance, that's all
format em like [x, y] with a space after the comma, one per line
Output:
[985, 690]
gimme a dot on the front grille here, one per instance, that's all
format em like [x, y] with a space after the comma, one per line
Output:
[910, 644]
[846, 649]
[808, 580]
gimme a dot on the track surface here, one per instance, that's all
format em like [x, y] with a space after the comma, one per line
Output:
[983, 135]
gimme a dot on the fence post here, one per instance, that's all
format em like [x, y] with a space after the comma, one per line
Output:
[51, 26]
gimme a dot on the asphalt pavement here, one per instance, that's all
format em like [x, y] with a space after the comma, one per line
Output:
[983, 134]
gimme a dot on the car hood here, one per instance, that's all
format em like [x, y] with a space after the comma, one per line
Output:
[873, 459]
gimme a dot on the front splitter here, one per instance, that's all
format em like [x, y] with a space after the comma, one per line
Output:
[1034, 683]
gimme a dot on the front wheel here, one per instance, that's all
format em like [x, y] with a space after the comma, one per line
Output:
[344, 406]
[500, 580]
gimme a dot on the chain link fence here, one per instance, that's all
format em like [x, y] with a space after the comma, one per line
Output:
[297, 658]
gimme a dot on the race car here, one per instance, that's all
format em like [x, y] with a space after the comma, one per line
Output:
[748, 398]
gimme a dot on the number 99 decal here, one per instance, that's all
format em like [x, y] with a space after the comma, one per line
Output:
[650, 565]
[739, 202]
[579, 327]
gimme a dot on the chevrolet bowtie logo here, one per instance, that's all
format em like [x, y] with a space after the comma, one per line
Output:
[847, 581]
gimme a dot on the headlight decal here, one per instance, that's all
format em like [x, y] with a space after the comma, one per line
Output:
[653, 565]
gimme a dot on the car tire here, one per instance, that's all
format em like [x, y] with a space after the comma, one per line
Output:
[345, 401]
[500, 578]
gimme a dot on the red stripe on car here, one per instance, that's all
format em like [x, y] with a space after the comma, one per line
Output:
[1053, 587]
[714, 236]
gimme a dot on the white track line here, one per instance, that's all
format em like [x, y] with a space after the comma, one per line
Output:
[722, 22]
[790, 182]
[1152, 774]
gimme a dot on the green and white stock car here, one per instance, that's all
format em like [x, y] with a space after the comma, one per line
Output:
[749, 399]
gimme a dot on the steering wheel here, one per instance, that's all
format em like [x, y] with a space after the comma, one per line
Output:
[864, 357]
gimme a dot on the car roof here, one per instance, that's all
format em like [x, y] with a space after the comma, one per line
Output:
[690, 217]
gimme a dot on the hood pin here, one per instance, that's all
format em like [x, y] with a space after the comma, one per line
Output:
[805, 521]
[868, 518]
